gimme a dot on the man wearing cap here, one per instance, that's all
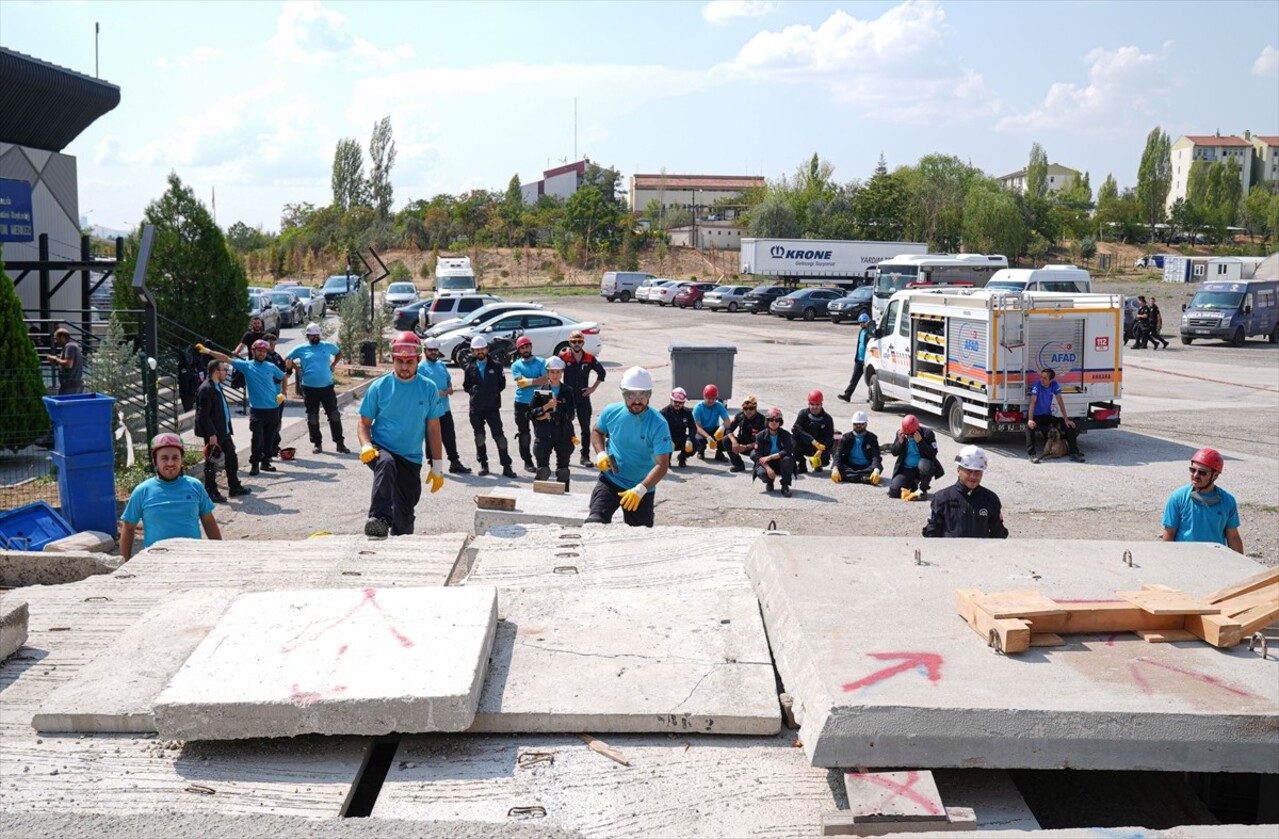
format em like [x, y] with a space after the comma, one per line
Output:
[711, 419]
[578, 365]
[742, 432]
[1042, 395]
[859, 358]
[552, 411]
[814, 433]
[169, 506]
[267, 388]
[632, 445]
[528, 372]
[679, 420]
[484, 381]
[857, 459]
[213, 423]
[915, 448]
[69, 360]
[400, 411]
[314, 362]
[966, 509]
[432, 368]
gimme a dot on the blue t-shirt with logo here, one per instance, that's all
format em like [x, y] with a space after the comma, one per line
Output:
[1200, 519]
[399, 411]
[435, 371]
[263, 380]
[315, 360]
[912, 453]
[709, 418]
[634, 442]
[856, 455]
[530, 368]
[168, 509]
[1042, 395]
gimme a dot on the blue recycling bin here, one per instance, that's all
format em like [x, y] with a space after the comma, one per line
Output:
[81, 422]
[85, 460]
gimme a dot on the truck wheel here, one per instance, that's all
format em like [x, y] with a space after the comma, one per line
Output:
[732, 307]
[810, 313]
[1274, 334]
[876, 398]
[611, 298]
[1187, 341]
[955, 420]
[1238, 338]
[626, 297]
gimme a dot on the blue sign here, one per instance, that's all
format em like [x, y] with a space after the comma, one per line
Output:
[16, 220]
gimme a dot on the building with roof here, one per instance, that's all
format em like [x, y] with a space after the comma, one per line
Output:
[708, 235]
[1060, 179]
[560, 182]
[1265, 158]
[689, 192]
[1209, 148]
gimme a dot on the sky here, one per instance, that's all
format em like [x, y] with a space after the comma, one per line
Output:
[245, 101]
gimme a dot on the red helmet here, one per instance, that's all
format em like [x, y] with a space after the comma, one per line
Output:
[910, 424]
[260, 344]
[815, 396]
[523, 341]
[710, 392]
[1209, 458]
[164, 441]
[405, 345]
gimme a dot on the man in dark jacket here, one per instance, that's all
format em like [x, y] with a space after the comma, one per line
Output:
[680, 421]
[213, 423]
[578, 365]
[552, 409]
[967, 510]
[857, 459]
[915, 448]
[742, 432]
[775, 453]
[814, 432]
[484, 382]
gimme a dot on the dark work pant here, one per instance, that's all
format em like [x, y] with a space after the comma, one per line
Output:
[733, 457]
[679, 436]
[559, 441]
[275, 438]
[232, 465]
[606, 499]
[919, 477]
[806, 450]
[397, 487]
[784, 467]
[524, 430]
[857, 377]
[448, 436]
[700, 445]
[854, 474]
[314, 398]
[493, 419]
[264, 426]
[1043, 422]
[583, 404]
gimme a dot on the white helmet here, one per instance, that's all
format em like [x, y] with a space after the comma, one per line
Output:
[431, 344]
[479, 342]
[637, 378]
[313, 329]
[860, 418]
[973, 458]
[555, 363]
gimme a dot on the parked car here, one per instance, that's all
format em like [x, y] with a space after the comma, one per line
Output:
[665, 295]
[424, 314]
[692, 295]
[339, 286]
[852, 305]
[399, 294]
[621, 285]
[808, 303]
[290, 308]
[730, 297]
[480, 316]
[1131, 305]
[761, 297]
[260, 306]
[312, 301]
[548, 330]
[646, 289]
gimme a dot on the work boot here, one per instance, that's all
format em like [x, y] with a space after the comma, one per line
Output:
[484, 469]
[342, 449]
[317, 449]
[1078, 457]
[254, 470]
[236, 492]
[786, 490]
[845, 397]
[508, 472]
[266, 467]
[768, 487]
[734, 468]
[456, 468]
[376, 528]
[562, 476]
[585, 460]
[720, 457]
[543, 473]
[683, 461]
[530, 466]
[217, 497]
[1034, 458]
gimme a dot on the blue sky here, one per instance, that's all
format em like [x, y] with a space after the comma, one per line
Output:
[249, 98]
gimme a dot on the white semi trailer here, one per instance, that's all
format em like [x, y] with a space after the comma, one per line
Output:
[832, 262]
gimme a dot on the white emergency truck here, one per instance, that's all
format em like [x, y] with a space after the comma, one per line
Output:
[454, 275]
[971, 356]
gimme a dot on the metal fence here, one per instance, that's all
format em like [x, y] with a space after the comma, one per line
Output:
[26, 469]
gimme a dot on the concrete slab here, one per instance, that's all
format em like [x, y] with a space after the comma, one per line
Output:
[37, 568]
[92, 541]
[533, 507]
[990, 793]
[14, 615]
[116, 691]
[905, 796]
[338, 661]
[609, 661]
[886, 674]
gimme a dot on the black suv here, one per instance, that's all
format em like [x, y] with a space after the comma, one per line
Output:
[852, 305]
[338, 286]
[759, 298]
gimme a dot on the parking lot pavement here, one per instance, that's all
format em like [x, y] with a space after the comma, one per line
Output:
[1174, 402]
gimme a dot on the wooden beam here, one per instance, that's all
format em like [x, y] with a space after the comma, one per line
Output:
[1013, 634]
[1258, 617]
[495, 502]
[841, 823]
[1240, 603]
[1261, 578]
[550, 487]
[1103, 616]
[1218, 630]
[1016, 604]
[1168, 602]
[1164, 636]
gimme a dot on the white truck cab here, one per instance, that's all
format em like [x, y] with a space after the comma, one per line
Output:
[454, 275]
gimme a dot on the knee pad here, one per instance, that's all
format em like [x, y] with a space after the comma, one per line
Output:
[479, 441]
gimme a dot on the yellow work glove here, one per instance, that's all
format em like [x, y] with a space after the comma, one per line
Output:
[816, 461]
[874, 477]
[602, 462]
[836, 476]
[719, 434]
[279, 399]
[368, 454]
[909, 495]
[821, 447]
[688, 447]
[200, 349]
[575, 440]
[631, 498]
[434, 480]
[521, 381]
[712, 445]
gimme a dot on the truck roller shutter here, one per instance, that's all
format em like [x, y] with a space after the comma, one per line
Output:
[1058, 343]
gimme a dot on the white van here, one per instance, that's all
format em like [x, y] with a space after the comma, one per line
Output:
[621, 285]
[453, 275]
[1066, 278]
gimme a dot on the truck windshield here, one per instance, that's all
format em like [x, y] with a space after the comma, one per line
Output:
[447, 283]
[1222, 300]
[894, 278]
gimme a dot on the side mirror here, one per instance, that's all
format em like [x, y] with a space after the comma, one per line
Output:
[1183, 307]
[1247, 310]
[488, 329]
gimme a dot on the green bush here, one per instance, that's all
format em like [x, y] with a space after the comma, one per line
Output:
[21, 384]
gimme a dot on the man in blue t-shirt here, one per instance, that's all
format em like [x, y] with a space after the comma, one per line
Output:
[399, 412]
[267, 387]
[170, 505]
[710, 418]
[1042, 395]
[432, 368]
[313, 362]
[632, 444]
[864, 334]
[1201, 511]
[528, 372]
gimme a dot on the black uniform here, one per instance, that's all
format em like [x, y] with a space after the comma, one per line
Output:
[553, 431]
[1154, 326]
[682, 428]
[1141, 327]
[577, 376]
[278, 360]
[485, 390]
[812, 428]
[918, 477]
[744, 429]
[213, 424]
[868, 445]
[962, 513]
[784, 467]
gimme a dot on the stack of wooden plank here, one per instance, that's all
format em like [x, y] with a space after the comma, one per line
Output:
[1015, 621]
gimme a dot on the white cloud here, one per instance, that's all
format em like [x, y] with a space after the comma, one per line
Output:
[205, 53]
[720, 12]
[308, 33]
[1123, 85]
[107, 151]
[1267, 64]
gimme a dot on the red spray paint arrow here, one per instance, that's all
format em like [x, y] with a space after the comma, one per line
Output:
[930, 661]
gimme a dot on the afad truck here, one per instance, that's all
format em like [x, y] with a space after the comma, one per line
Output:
[830, 262]
[971, 356]
[453, 275]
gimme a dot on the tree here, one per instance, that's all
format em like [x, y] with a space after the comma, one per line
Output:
[880, 206]
[243, 238]
[607, 180]
[1154, 178]
[21, 384]
[349, 187]
[511, 210]
[1109, 190]
[382, 158]
[772, 218]
[593, 218]
[937, 188]
[194, 277]
[116, 370]
[1254, 212]
[993, 222]
[296, 215]
[1037, 172]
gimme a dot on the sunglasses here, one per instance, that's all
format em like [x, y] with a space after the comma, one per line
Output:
[636, 395]
[576, 341]
[774, 419]
[1200, 473]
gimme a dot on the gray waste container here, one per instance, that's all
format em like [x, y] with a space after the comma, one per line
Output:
[694, 366]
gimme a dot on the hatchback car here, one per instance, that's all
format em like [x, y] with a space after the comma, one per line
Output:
[644, 293]
[312, 301]
[548, 330]
[761, 297]
[852, 305]
[261, 307]
[728, 297]
[480, 316]
[808, 303]
[665, 295]
[399, 294]
[693, 295]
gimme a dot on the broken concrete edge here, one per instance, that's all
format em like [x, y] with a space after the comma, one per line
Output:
[14, 617]
[36, 568]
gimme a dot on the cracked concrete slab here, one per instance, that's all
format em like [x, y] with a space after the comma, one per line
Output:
[531, 507]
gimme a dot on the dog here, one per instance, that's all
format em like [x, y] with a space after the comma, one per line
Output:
[1055, 446]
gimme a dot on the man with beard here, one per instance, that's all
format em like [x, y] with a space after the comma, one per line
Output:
[680, 421]
[169, 506]
[266, 395]
[213, 423]
[313, 362]
[814, 433]
[578, 364]
[432, 367]
[529, 372]
[484, 382]
[632, 445]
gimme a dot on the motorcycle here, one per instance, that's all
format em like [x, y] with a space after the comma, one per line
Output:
[501, 349]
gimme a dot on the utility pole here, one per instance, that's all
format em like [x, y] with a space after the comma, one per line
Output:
[97, 29]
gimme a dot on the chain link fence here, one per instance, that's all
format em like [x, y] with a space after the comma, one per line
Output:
[26, 434]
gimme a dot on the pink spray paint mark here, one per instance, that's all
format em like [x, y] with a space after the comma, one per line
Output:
[930, 662]
[897, 790]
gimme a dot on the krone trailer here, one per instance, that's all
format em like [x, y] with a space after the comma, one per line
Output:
[833, 262]
[971, 356]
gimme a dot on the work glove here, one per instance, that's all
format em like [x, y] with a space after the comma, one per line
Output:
[631, 498]
[602, 462]
[816, 460]
[836, 476]
[521, 381]
[368, 454]
[434, 480]
[575, 440]
[712, 445]
[279, 399]
[688, 447]
[200, 349]
[719, 434]
[909, 495]
[874, 477]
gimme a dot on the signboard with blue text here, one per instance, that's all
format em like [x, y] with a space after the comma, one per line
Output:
[16, 220]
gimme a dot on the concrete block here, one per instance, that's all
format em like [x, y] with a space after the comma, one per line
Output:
[37, 568]
[909, 796]
[92, 541]
[868, 642]
[335, 661]
[13, 625]
[605, 660]
[116, 690]
[532, 507]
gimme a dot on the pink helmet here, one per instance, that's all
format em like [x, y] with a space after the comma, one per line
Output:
[910, 424]
[166, 440]
[679, 395]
